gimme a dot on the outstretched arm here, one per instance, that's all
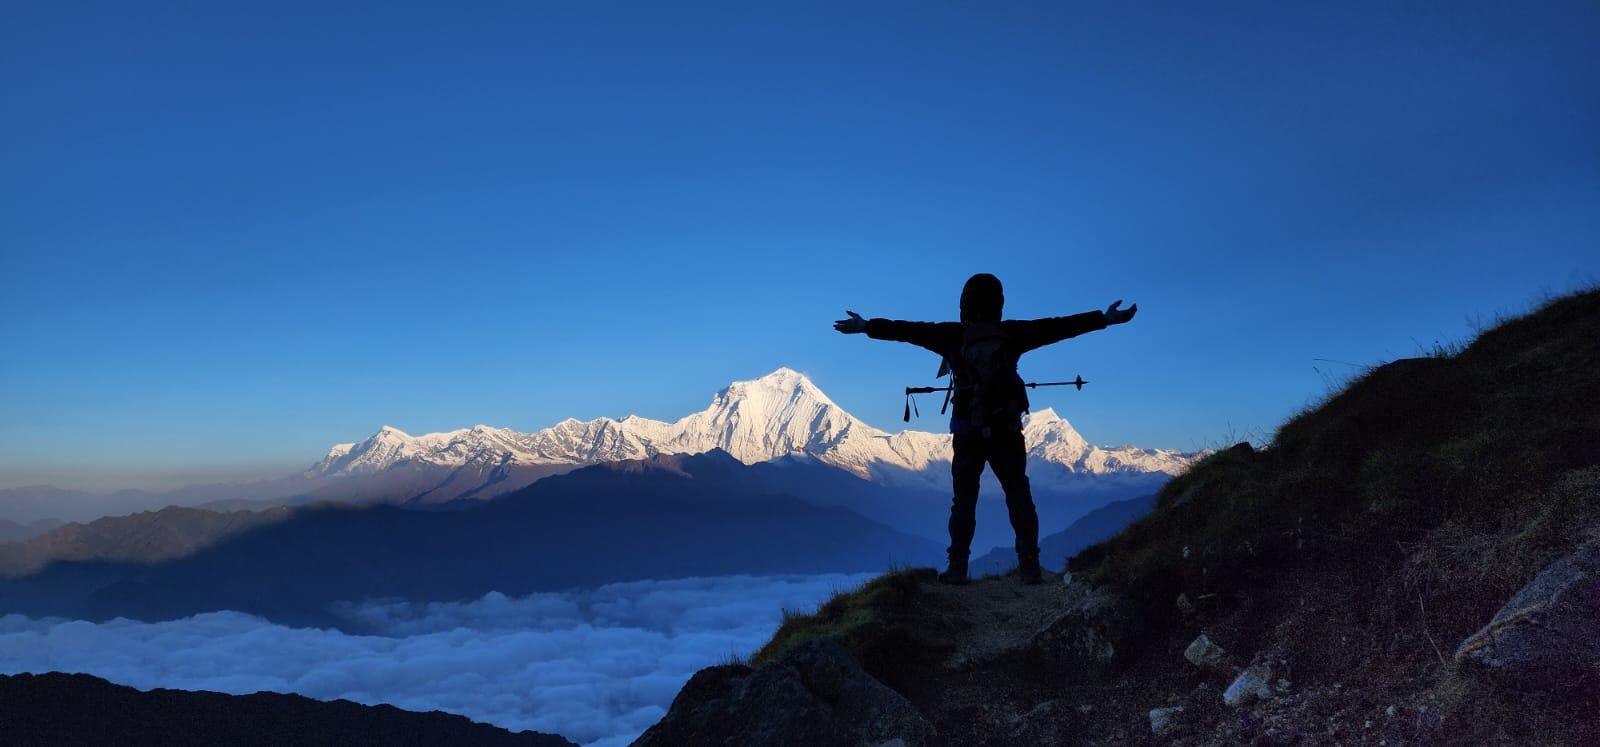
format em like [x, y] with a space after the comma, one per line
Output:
[1041, 332]
[930, 335]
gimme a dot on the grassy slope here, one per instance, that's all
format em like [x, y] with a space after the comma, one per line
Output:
[1375, 532]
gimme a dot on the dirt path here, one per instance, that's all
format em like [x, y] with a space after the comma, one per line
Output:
[999, 615]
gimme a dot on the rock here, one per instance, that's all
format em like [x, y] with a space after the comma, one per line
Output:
[1547, 637]
[1205, 653]
[1161, 718]
[1250, 686]
[817, 693]
[1185, 607]
[1093, 631]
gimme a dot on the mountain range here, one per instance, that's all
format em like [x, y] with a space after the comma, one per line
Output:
[777, 416]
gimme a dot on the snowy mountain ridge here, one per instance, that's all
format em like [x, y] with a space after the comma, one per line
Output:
[782, 414]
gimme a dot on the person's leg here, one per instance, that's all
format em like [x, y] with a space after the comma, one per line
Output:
[1008, 457]
[966, 466]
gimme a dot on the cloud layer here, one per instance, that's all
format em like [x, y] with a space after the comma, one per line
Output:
[597, 666]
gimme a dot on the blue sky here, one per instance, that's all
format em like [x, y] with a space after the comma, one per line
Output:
[232, 234]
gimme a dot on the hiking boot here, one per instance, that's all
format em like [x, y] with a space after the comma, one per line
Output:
[1028, 570]
[956, 574]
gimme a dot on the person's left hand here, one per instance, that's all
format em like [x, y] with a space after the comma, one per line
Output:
[855, 325]
[1115, 315]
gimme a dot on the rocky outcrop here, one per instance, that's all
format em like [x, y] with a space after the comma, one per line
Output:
[815, 694]
[1547, 637]
[1092, 633]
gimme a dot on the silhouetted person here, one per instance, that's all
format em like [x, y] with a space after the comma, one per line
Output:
[988, 405]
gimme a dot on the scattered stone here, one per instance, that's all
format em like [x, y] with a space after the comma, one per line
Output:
[1161, 718]
[1249, 686]
[1389, 711]
[1185, 607]
[1205, 653]
[817, 693]
[1545, 637]
[1283, 686]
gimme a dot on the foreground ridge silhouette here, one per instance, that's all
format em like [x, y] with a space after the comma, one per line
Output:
[1415, 560]
[80, 709]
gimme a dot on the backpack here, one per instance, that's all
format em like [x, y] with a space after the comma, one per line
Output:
[987, 374]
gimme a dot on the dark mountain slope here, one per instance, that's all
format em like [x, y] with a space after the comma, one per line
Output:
[926, 512]
[11, 531]
[146, 537]
[668, 517]
[77, 709]
[1054, 549]
[1344, 579]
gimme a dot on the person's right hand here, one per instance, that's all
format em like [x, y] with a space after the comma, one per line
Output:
[854, 325]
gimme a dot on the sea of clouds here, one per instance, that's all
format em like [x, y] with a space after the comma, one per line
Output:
[596, 666]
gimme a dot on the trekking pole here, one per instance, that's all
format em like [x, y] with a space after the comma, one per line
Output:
[1077, 382]
[911, 402]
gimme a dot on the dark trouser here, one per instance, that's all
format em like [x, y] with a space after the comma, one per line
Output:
[1007, 455]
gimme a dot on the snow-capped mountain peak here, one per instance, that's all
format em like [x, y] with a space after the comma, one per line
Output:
[777, 415]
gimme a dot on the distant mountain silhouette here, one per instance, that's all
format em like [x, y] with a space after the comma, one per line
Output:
[13, 531]
[56, 708]
[146, 537]
[173, 532]
[665, 517]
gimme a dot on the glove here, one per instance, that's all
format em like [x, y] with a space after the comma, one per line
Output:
[855, 325]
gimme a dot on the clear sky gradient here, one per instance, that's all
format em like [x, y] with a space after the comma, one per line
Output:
[233, 234]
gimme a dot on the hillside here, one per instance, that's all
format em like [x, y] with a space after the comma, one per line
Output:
[1334, 587]
[56, 709]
